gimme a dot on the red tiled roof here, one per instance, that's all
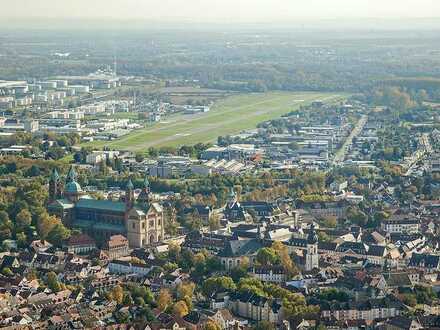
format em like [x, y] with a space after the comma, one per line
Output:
[116, 240]
[81, 239]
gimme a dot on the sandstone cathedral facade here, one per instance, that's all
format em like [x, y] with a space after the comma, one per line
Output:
[139, 219]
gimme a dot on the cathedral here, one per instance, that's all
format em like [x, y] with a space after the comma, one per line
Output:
[139, 219]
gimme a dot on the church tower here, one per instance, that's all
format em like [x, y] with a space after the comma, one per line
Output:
[129, 195]
[73, 190]
[312, 257]
[54, 186]
[145, 197]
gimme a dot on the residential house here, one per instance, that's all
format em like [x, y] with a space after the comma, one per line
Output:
[116, 247]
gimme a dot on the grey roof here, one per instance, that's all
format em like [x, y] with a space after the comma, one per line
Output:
[62, 203]
[239, 248]
[424, 260]
[397, 279]
[356, 247]
[376, 250]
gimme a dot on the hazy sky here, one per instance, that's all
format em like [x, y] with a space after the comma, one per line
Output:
[221, 10]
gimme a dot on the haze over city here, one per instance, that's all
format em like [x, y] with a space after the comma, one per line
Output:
[221, 10]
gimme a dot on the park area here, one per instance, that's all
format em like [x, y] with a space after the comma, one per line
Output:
[228, 116]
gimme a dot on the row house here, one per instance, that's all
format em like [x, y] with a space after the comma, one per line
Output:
[271, 274]
[126, 267]
[256, 308]
[370, 310]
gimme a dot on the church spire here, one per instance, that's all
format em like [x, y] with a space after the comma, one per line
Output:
[129, 194]
[145, 195]
[54, 177]
[71, 176]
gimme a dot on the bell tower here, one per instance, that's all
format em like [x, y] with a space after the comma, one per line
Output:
[312, 257]
[129, 195]
[144, 197]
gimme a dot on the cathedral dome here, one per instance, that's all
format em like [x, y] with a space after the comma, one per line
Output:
[73, 188]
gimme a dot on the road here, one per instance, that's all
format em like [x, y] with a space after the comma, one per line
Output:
[424, 150]
[340, 154]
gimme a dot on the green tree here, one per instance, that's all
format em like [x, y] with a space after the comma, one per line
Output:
[211, 325]
[218, 284]
[264, 325]
[214, 222]
[180, 308]
[164, 300]
[7, 272]
[267, 257]
[23, 220]
[52, 282]
[21, 240]
[58, 234]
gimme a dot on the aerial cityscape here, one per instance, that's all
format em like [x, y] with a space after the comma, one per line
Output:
[220, 165]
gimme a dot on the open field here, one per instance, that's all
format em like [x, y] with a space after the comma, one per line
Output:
[228, 116]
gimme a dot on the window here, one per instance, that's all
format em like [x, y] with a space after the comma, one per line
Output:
[133, 225]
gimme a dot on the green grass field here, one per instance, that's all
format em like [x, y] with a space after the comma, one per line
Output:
[228, 116]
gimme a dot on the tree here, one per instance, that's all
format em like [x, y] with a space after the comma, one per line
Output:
[46, 223]
[333, 294]
[52, 282]
[323, 237]
[7, 272]
[5, 222]
[21, 240]
[23, 220]
[193, 221]
[410, 299]
[164, 299]
[117, 293]
[180, 308]
[174, 252]
[330, 222]
[5, 226]
[32, 275]
[217, 284]
[264, 325]
[214, 222]
[356, 216]
[252, 285]
[34, 171]
[58, 234]
[127, 300]
[266, 257]
[185, 292]
[212, 325]
[283, 254]
[139, 157]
